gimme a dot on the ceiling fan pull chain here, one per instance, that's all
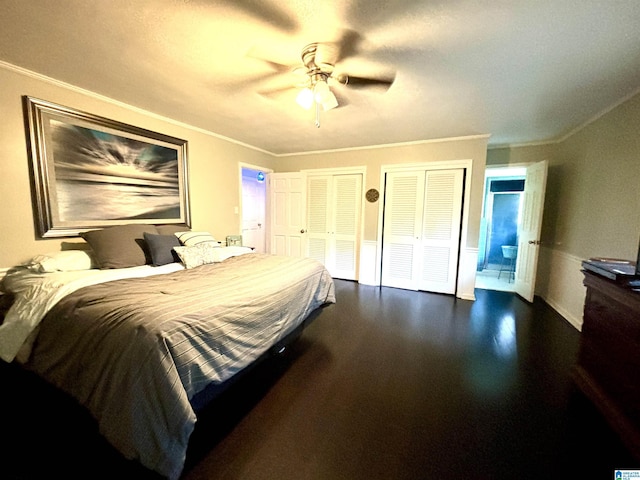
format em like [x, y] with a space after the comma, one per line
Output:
[317, 114]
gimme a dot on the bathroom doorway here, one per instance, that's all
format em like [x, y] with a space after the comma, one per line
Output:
[499, 228]
[253, 208]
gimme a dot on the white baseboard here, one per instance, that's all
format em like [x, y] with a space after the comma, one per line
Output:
[368, 258]
[370, 275]
[467, 274]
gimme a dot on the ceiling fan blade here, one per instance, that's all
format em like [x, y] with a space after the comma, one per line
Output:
[348, 45]
[275, 66]
[270, 92]
[364, 82]
[268, 14]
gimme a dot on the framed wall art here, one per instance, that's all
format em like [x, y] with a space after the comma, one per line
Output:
[90, 172]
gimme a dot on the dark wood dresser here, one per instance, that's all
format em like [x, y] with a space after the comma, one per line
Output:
[608, 368]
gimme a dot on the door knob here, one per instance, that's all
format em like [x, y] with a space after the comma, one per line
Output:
[302, 230]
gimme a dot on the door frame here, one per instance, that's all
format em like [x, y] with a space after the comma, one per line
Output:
[467, 166]
[492, 172]
[266, 171]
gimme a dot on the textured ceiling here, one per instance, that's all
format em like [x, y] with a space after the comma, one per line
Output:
[521, 71]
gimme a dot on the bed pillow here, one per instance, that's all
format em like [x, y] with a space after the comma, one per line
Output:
[190, 239]
[170, 229]
[197, 255]
[161, 248]
[121, 246]
[63, 261]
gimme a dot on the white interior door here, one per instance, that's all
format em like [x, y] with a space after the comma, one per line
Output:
[529, 239]
[345, 231]
[404, 193]
[333, 222]
[440, 240]
[318, 227]
[288, 195]
[421, 234]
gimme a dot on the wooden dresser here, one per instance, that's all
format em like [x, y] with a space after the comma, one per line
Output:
[608, 368]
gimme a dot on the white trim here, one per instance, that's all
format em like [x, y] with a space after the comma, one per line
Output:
[335, 170]
[466, 288]
[260, 168]
[515, 170]
[499, 146]
[368, 255]
[563, 287]
[386, 145]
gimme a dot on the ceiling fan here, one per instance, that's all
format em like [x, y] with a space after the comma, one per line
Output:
[318, 74]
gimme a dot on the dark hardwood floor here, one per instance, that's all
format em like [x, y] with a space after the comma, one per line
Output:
[386, 384]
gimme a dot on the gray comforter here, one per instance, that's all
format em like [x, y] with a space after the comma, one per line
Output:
[135, 351]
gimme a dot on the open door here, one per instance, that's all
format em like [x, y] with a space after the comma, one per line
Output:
[529, 240]
[288, 194]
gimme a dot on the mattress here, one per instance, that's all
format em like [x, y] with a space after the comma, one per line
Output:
[135, 351]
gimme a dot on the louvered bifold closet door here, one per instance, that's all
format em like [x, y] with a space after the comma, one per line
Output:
[334, 203]
[347, 199]
[404, 197]
[440, 238]
[318, 227]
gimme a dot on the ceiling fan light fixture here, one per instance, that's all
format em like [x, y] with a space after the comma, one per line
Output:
[330, 102]
[321, 90]
[305, 98]
[324, 96]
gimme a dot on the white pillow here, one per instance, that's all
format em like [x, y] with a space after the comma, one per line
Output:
[190, 239]
[205, 253]
[197, 255]
[63, 261]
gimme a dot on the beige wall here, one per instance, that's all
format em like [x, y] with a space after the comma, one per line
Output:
[594, 201]
[472, 148]
[592, 205]
[213, 163]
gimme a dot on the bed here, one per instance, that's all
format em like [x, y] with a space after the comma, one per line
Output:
[137, 346]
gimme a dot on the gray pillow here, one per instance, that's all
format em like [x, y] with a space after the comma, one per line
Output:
[121, 246]
[161, 248]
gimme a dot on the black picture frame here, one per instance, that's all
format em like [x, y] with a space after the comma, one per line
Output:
[91, 172]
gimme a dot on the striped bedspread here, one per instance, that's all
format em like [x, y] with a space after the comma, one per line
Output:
[135, 351]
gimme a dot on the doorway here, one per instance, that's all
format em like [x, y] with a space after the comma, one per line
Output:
[254, 208]
[499, 228]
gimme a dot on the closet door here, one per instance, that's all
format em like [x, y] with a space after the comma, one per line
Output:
[440, 239]
[318, 225]
[345, 232]
[404, 193]
[421, 232]
[333, 220]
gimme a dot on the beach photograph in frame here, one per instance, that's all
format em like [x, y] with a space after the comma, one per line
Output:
[90, 172]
